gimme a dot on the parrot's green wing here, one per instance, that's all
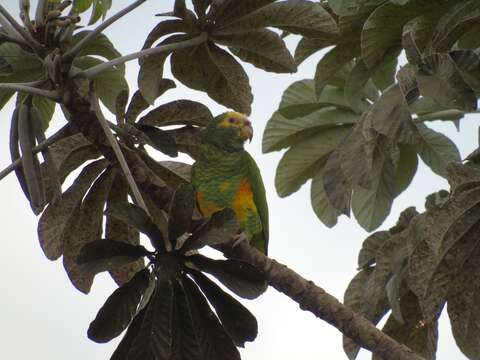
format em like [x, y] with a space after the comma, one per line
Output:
[260, 241]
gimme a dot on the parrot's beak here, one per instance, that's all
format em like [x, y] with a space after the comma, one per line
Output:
[246, 132]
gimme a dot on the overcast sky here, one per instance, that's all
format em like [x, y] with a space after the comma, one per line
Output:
[45, 317]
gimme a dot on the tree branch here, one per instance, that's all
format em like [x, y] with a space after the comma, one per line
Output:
[70, 54]
[312, 298]
[95, 70]
[34, 44]
[118, 152]
[50, 94]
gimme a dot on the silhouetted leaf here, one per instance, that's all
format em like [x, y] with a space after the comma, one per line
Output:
[321, 204]
[163, 28]
[55, 220]
[221, 227]
[179, 112]
[467, 63]
[121, 352]
[211, 69]
[160, 140]
[309, 46]
[180, 214]
[240, 277]
[239, 323]
[105, 254]
[119, 309]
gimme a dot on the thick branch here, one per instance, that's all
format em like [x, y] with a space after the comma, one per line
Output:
[70, 55]
[312, 298]
[34, 44]
[95, 70]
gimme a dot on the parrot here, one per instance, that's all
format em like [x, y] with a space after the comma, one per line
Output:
[225, 175]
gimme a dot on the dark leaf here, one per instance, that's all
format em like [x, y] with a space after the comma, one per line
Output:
[240, 277]
[309, 46]
[15, 152]
[121, 352]
[180, 214]
[119, 309]
[467, 63]
[321, 204]
[211, 69]
[120, 106]
[370, 246]
[105, 254]
[179, 112]
[221, 227]
[163, 28]
[239, 323]
[336, 185]
[160, 140]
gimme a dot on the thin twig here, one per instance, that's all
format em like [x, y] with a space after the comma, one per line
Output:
[50, 94]
[70, 54]
[118, 152]
[40, 147]
[34, 44]
[95, 70]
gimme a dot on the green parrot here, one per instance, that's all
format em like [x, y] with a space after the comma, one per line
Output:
[225, 175]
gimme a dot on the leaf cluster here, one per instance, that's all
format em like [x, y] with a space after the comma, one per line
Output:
[357, 129]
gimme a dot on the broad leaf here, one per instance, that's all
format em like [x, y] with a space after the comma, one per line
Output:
[321, 204]
[178, 112]
[180, 214]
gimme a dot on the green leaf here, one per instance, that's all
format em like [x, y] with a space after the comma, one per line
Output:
[341, 6]
[230, 11]
[121, 352]
[440, 80]
[368, 252]
[209, 68]
[321, 205]
[138, 103]
[159, 139]
[180, 214]
[81, 6]
[45, 108]
[309, 46]
[105, 254]
[298, 17]
[332, 62]
[219, 228]
[336, 185]
[86, 226]
[240, 277]
[436, 150]
[301, 162]
[164, 28]
[467, 63]
[108, 84]
[405, 168]
[239, 323]
[262, 48]
[24, 65]
[371, 206]
[179, 112]
[99, 10]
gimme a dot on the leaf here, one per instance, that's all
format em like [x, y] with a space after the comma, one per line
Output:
[262, 48]
[211, 338]
[179, 112]
[232, 10]
[99, 10]
[238, 276]
[160, 140]
[370, 246]
[135, 216]
[414, 333]
[219, 228]
[164, 28]
[467, 63]
[108, 84]
[309, 46]
[405, 168]
[216, 72]
[138, 103]
[119, 309]
[180, 214]
[15, 152]
[86, 226]
[332, 62]
[371, 206]
[336, 185]
[302, 161]
[436, 150]
[282, 132]
[120, 231]
[383, 29]
[120, 106]
[440, 80]
[105, 254]
[45, 108]
[121, 352]
[239, 323]
[462, 307]
[321, 205]
[154, 339]
[55, 220]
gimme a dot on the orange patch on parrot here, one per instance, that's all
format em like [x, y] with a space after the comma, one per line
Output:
[243, 201]
[207, 208]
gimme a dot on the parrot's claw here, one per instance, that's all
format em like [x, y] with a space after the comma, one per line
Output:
[237, 239]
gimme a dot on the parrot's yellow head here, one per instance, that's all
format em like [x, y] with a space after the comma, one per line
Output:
[228, 131]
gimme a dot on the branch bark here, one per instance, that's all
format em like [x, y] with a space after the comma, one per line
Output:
[313, 298]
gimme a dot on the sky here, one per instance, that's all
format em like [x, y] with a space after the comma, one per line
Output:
[45, 317]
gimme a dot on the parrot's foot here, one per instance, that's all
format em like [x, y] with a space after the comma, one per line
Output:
[237, 239]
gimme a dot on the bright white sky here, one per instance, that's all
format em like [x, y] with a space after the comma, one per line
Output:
[45, 317]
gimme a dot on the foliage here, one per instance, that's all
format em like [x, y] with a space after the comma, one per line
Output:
[356, 129]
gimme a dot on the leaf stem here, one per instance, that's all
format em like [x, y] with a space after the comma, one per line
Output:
[34, 44]
[95, 70]
[118, 152]
[73, 52]
[50, 94]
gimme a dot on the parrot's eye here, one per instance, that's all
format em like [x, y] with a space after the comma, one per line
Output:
[232, 120]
